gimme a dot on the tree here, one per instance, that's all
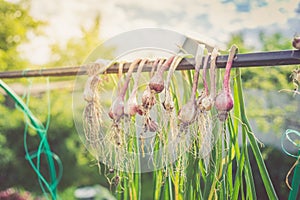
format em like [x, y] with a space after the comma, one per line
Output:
[16, 23]
[64, 141]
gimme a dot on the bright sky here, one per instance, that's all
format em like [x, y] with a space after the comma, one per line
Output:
[212, 20]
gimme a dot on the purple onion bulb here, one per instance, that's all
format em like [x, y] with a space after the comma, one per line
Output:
[157, 81]
[224, 100]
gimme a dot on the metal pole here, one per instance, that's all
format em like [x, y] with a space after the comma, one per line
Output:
[258, 59]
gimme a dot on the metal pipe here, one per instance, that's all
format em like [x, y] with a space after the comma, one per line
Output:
[258, 59]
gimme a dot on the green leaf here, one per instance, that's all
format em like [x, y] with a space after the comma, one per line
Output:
[257, 154]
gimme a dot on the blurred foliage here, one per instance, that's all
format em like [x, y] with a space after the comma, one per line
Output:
[265, 78]
[270, 110]
[16, 24]
[278, 169]
[80, 168]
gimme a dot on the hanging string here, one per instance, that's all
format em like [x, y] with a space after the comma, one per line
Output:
[44, 148]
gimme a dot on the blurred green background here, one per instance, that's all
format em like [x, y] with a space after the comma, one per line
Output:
[270, 112]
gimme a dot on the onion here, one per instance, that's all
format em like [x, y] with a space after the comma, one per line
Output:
[168, 102]
[204, 100]
[208, 99]
[149, 100]
[148, 97]
[132, 107]
[296, 42]
[157, 81]
[224, 100]
[90, 92]
[188, 111]
[117, 108]
[156, 65]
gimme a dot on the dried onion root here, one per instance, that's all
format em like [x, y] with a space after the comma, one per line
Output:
[172, 144]
[92, 112]
[206, 125]
[148, 101]
[155, 86]
[170, 129]
[132, 108]
[205, 137]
